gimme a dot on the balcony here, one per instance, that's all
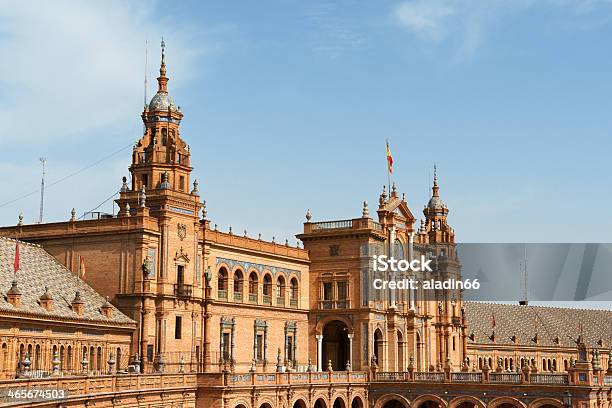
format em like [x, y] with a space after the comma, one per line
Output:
[222, 294]
[238, 297]
[293, 303]
[280, 301]
[253, 297]
[182, 290]
[267, 300]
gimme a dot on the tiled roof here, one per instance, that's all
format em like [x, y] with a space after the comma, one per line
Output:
[549, 323]
[38, 270]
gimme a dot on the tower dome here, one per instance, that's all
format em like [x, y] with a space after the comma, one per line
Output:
[162, 101]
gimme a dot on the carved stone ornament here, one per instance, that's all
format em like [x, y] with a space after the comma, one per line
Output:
[181, 231]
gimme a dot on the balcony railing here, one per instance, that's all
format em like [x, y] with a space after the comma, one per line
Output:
[253, 297]
[549, 379]
[505, 378]
[237, 296]
[267, 300]
[280, 301]
[327, 225]
[183, 290]
[428, 376]
[467, 377]
[293, 302]
[335, 304]
[222, 294]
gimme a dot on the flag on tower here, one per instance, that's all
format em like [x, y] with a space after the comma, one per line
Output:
[16, 261]
[493, 322]
[389, 159]
[81, 267]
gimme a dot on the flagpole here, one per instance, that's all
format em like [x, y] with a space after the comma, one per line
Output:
[388, 169]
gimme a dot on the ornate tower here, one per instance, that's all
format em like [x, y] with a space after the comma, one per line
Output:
[435, 229]
[160, 159]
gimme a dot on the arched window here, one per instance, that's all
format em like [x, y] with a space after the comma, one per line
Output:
[280, 291]
[92, 358]
[37, 356]
[222, 283]
[164, 137]
[99, 359]
[253, 282]
[69, 358]
[238, 282]
[118, 359]
[295, 292]
[61, 358]
[267, 289]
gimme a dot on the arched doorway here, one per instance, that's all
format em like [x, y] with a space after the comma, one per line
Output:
[335, 345]
[299, 404]
[357, 403]
[240, 406]
[265, 405]
[378, 346]
[320, 403]
[339, 403]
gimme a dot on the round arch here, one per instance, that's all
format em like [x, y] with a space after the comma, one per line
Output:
[423, 399]
[265, 405]
[457, 401]
[339, 402]
[357, 402]
[500, 402]
[550, 402]
[320, 403]
[321, 324]
[299, 403]
[387, 398]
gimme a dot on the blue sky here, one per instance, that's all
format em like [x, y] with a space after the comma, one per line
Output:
[288, 104]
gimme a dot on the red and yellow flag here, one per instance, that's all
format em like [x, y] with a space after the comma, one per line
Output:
[81, 267]
[389, 159]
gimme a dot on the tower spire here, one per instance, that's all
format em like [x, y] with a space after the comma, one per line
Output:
[435, 189]
[162, 80]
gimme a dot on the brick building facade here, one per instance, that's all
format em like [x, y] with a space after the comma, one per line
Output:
[265, 324]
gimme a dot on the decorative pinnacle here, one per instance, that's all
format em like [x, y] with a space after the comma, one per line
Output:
[308, 215]
[365, 213]
[73, 215]
[20, 219]
[124, 186]
[204, 210]
[195, 190]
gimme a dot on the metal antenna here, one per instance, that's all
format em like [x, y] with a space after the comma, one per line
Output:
[144, 126]
[43, 162]
[525, 300]
[145, 70]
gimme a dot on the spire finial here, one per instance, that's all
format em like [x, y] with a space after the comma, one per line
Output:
[162, 80]
[435, 175]
[163, 50]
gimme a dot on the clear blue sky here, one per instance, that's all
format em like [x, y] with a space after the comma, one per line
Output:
[287, 106]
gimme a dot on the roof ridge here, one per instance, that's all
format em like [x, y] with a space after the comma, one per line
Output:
[21, 242]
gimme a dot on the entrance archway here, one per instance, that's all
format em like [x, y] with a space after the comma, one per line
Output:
[335, 345]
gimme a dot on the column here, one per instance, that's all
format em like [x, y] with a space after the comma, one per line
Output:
[319, 352]
[350, 337]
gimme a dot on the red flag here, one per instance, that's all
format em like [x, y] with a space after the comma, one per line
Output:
[493, 322]
[16, 262]
[389, 159]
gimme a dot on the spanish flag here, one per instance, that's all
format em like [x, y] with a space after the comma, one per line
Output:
[81, 267]
[389, 159]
